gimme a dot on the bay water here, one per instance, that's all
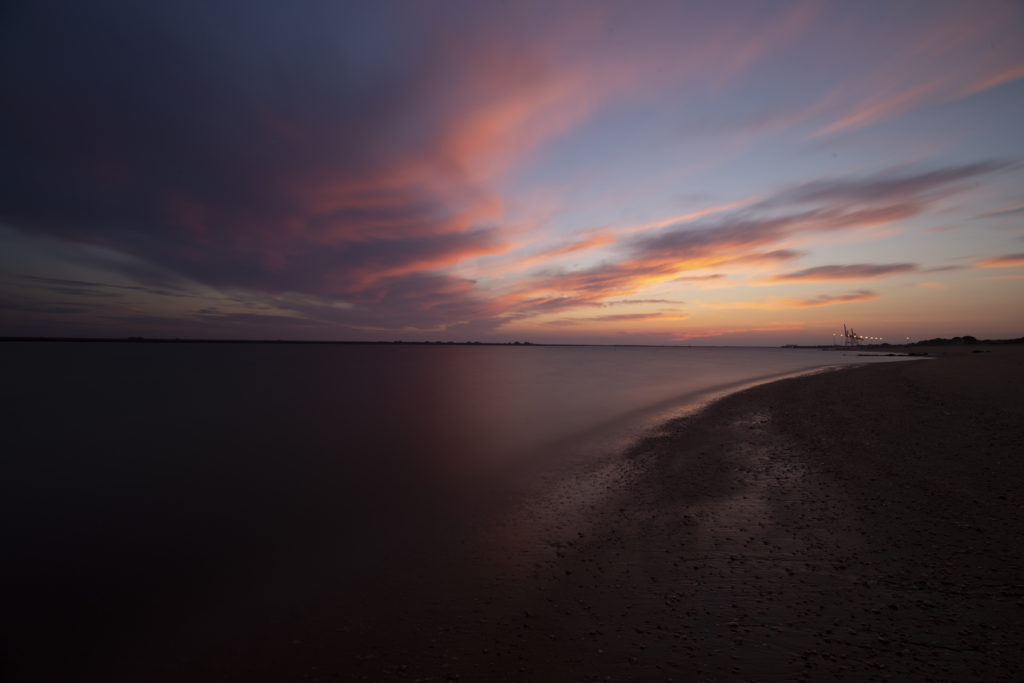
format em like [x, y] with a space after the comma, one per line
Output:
[150, 487]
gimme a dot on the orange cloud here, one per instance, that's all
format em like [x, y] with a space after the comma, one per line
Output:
[623, 318]
[521, 263]
[425, 262]
[689, 216]
[775, 304]
[722, 331]
[670, 253]
[501, 105]
[642, 301]
[1005, 261]
[699, 278]
[830, 300]
[883, 107]
[997, 78]
[530, 107]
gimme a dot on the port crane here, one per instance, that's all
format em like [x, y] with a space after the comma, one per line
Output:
[851, 338]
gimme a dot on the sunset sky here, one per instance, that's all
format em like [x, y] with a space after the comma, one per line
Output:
[638, 172]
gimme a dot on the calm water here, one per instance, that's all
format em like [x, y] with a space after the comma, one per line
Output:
[160, 485]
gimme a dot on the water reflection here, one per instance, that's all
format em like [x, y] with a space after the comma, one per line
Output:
[169, 486]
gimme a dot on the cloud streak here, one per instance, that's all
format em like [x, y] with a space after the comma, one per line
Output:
[236, 156]
[1004, 261]
[752, 235]
[628, 318]
[952, 54]
[777, 304]
[856, 271]
[374, 168]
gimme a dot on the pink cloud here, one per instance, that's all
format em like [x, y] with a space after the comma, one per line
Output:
[348, 184]
[1004, 261]
[831, 300]
[632, 302]
[1015, 210]
[622, 318]
[743, 236]
[945, 57]
[707, 333]
[775, 304]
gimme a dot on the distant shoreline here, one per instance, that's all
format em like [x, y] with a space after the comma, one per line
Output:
[170, 340]
[895, 348]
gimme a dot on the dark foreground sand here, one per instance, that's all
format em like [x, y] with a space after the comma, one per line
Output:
[854, 525]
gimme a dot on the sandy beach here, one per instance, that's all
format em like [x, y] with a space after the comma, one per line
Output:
[862, 524]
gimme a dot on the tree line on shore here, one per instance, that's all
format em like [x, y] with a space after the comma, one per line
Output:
[967, 339]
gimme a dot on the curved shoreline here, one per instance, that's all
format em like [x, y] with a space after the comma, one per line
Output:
[619, 435]
[855, 524]
[861, 524]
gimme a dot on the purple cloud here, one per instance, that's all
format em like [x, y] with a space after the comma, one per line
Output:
[857, 271]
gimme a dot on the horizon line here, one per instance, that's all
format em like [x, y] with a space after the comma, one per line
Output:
[199, 340]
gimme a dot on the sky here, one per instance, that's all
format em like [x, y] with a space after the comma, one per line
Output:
[740, 173]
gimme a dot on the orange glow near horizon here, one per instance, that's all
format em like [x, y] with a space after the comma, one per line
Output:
[577, 172]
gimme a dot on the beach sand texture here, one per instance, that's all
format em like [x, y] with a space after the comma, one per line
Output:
[853, 525]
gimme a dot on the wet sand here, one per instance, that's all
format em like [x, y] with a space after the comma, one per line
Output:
[862, 524]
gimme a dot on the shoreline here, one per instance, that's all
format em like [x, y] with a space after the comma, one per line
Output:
[781, 533]
[860, 523]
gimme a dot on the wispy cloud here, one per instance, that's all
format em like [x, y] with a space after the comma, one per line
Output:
[752, 235]
[775, 303]
[699, 278]
[1015, 210]
[348, 167]
[831, 299]
[711, 332]
[313, 176]
[888, 188]
[1004, 261]
[856, 271]
[621, 318]
[633, 302]
[954, 53]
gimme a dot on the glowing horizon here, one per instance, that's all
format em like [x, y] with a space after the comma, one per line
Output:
[739, 173]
